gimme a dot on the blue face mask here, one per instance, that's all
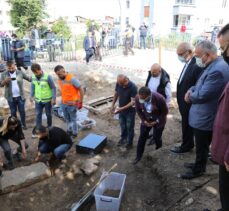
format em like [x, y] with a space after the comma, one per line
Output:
[181, 59]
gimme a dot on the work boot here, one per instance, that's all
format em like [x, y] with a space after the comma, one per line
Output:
[10, 164]
[121, 142]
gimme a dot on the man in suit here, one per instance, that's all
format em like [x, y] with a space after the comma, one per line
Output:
[203, 98]
[188, 78]
[223, 38]
[89, 45]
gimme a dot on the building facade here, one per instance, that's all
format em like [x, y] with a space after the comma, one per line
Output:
[5, 23]
[169, 15]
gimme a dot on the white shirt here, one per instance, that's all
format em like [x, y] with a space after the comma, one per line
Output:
[15, 87]
[154, 83]
[184, 70]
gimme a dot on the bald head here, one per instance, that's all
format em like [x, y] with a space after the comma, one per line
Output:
[155, 70]
[185, 51]
[122, 80]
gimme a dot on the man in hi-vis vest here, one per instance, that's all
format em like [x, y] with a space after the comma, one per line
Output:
[72, 98]
[43, 91]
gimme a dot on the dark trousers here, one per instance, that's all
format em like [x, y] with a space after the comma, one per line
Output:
[127, 123]
[89, 53]
[187, 132]
[39, 106]
[203, 141]
[18, 104]
[20, 63]
[224, 187]
[144, 134]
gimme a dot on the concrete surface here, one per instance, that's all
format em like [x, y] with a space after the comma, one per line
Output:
[23, 176]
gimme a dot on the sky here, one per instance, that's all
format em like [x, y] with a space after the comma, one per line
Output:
[93, 9]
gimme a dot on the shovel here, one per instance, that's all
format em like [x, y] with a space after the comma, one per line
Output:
[88, 198]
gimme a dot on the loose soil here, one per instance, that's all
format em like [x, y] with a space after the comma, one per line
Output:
[144, 188]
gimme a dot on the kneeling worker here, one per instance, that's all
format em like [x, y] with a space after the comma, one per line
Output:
[53, 140]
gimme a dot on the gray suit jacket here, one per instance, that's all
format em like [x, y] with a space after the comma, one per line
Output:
[205, 94]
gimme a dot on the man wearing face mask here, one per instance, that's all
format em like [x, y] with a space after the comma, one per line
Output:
[18, 48]
[203, 98]
[12, 80]
[43, 91]
[152, 110]
[125, 91]
[220, 137]
[72, 98]
[187, 78]
[223, 38]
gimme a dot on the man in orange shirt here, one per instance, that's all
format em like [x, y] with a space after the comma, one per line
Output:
[72, 97]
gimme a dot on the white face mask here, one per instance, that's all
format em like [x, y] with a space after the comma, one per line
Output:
[182, 59]
[141, 101]
[200, 63]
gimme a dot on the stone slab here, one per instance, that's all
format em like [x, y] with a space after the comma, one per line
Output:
[23, 176]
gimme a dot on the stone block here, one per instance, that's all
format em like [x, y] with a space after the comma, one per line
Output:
[23, 176]
[90, 166]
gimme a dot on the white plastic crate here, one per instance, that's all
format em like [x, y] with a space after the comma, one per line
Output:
[114, 181]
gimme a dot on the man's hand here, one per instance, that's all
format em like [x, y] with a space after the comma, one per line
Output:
[150, 124]
[112, 109]
[118, 110]
[79, 105]
[24, 154]
[53, 102]
[38, 157]
[187, 97]
[227, 166]
[6, 81]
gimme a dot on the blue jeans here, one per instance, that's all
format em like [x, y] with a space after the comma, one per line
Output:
[39, 110]
[7, 150]
[143, 42]
[59, 151]
[127, 122]
[70, 117]
[18, 103]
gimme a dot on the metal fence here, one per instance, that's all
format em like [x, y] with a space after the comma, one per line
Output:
[67, 50]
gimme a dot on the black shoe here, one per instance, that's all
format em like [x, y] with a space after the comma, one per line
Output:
[74, 135]
[189, 165]
[8, 166]
[121, 142]
[24, 127]
[151, 142]
[206, 210]
[136, 160]
[129, 146]
[179, 150]
[191, 175]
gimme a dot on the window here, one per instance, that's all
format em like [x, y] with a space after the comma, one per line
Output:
[185, 1]
[179, 20]
[127, 4]
[127, 20]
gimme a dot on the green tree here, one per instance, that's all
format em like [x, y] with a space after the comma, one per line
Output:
[60, 27]
[26, 13]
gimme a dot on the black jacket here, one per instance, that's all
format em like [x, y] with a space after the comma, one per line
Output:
[192, 74]
[165, 78]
